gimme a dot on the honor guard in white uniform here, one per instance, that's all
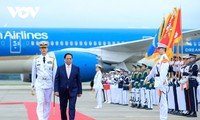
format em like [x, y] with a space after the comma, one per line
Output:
[160, 71]
[43, 73]
[98, 86]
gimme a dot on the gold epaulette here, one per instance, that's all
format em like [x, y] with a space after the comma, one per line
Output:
[36, 57]
[52, 57]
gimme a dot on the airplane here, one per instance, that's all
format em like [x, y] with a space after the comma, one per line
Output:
[112, 48]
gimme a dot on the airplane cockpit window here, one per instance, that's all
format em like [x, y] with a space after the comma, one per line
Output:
[109, 42]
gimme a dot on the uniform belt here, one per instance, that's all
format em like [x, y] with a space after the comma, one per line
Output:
[185, 75]
[43, 78]
[125, 85]
[194, 77]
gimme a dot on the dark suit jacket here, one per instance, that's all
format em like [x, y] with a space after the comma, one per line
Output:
[62, 83]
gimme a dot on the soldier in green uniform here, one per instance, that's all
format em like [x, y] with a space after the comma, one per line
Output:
[133, 91]
[149, 93]
[142, 86]
[137, 85]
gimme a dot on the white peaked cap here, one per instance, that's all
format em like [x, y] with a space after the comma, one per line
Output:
[186, 56]
[43, 44]
[97, 65]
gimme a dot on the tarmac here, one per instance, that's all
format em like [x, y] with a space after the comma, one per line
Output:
[21, 92]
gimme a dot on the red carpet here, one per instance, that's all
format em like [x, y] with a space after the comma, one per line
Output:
[54, 115]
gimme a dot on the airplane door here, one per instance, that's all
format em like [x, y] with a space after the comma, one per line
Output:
[15, 45]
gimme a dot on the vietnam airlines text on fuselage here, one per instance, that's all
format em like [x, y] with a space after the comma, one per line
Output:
[23, 35]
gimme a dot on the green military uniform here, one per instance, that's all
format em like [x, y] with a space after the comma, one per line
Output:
[149, 92]
[137, 86]
[144, 75]
[133, 78]
[137, 80]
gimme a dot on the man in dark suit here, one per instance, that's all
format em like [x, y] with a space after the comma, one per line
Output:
[68, 86]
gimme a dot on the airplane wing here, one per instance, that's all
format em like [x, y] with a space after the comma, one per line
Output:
[191, 35]
[135, 50]
[124, 54]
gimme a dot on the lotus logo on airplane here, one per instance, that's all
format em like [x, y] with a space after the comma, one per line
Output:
[23, 12]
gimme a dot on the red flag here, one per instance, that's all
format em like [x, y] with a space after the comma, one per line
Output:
[177, 36]
[168, 28]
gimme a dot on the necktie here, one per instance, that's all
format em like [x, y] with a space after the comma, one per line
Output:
[68, 71]
[43, 59]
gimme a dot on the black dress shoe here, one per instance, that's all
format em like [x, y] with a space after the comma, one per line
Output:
[192, 114]
[169, 110]
[174, 112]
[187, 113]
[139, 106]
[145, 106]
[149, 109]
[135, 105]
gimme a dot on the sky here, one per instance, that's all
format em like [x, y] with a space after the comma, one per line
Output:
[95, 13]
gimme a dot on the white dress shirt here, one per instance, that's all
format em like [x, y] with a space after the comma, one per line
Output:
[68, 69]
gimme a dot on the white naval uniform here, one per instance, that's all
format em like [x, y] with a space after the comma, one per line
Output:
[43, 75]
[171, 104]
[181, 98]
[98, 88]
[162, 67]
